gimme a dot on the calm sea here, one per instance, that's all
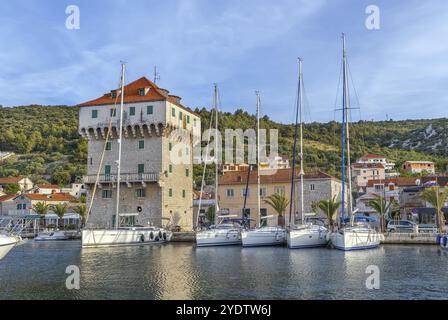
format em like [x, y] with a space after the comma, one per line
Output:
[180, 271]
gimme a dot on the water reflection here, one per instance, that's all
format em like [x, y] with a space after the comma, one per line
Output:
[182, 271]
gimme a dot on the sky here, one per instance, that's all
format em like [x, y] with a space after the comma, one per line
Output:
[399, 71]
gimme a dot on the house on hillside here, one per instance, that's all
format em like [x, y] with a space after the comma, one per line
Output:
[419, 167]
[363, 172]
[389, 167]
[46, 189]
[24, 183]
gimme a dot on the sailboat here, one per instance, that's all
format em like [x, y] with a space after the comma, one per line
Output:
[226, 231]
[263, 235]
[305, 234]
[119, 236]
[7, 242]
[356, 235]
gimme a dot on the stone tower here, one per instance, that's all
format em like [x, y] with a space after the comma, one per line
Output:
[157, 131]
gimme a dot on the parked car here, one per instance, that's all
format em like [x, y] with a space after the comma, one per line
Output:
[401, 226]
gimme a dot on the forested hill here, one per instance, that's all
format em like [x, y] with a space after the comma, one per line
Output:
[47, 144]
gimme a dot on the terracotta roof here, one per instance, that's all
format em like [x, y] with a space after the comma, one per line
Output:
[419, 162]
[50, 197]
[367, 166]
[10, 180]
[373, 156]
[400, 181]
[131, 95]
[48, 186]
[281, 175]
[7, 197]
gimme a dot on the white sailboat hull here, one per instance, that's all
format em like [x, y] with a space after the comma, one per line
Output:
[307, 237]
[263, 237]
[355, 239]
[6, 244]
[224, 237]
[124, 237]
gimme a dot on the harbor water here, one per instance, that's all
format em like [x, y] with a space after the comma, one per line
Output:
[37, 270]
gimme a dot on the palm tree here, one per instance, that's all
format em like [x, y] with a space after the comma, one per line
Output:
[437, 198]
[60, 209]
[279, 203]
[330, 208]
[82, 211]
[41, 208]
[382, 207]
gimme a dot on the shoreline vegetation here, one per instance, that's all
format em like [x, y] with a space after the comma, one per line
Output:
[48, 148]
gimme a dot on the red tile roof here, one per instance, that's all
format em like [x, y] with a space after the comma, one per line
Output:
[10, 180]
[48, 186]
[7, 197]
[50, 197]
[131, 95]
[373, 156]
[281, 175]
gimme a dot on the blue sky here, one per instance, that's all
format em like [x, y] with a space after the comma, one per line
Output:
[400, 70]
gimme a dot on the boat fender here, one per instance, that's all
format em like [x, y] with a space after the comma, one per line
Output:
[157, 239]
[445, 240]
[151, 235]
[438, 239]
[142, 238]
[160, 234]
[164, 236]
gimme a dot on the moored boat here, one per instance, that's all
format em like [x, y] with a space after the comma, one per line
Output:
[51, 236]
[263, 236]
[7, 242]
[223, 234]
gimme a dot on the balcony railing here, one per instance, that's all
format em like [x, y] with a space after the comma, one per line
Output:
[125, 177]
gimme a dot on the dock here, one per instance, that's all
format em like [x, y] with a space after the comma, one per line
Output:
[409, 238]
[184, 236]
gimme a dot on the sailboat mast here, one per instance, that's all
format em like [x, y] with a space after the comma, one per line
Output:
[294, 150]
[258, 157]
[215, 102]
[302, 171]
[346, 115]
[120, 135]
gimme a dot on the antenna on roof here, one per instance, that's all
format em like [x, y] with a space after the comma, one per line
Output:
[156, 75]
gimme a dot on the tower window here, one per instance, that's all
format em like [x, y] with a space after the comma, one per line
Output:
[94, 114]
[106, 194]
[108, 146]
[173, 112]
[140, 193]
[132, 111]
[141, 144]
[170, 192]
[170, 168]
[149, 109]
[183, 194]
[113, 112]
[187, 172]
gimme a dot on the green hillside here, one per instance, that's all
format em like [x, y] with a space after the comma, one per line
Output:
[47, 144]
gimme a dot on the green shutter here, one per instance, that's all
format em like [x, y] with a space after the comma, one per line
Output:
[141, 168]
[141, 144]
[109, 146]
[170, 192]
[188, 118]
[132, 111]
[187, 172]
[173, 112]
[170, 146]
[94, 113]
[170, 168]
[149, 110]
